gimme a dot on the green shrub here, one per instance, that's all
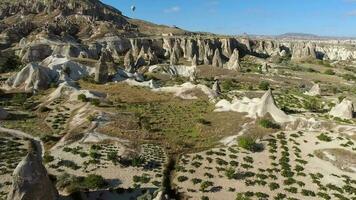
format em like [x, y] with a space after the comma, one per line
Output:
[47, 158]
[248, 143]
[329, 72]
[82, 98]
[230, 173]
[273, 186]
[264, 85]
[93, 181]
[182, 178]
[324, 137]
[95, 102]
[268, 124]
[204, 185]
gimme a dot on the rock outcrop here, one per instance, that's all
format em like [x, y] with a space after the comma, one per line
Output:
[101, 71]
[217, 60]
[234, 61]
[343, 110]
[174, 59]
[129, 61]
[258, 107]
[152, 58]
[303, 51]
[32, 77]
[314, 91]
[31, 181]
[195, 61]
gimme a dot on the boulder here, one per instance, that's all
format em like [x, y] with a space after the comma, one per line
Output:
[129, 61]
[31, 181]
[314, 91]
[3, 114]
[343, 110]
[217, 61]
[234, 61]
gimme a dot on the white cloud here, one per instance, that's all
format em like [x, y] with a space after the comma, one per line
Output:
[173, 9]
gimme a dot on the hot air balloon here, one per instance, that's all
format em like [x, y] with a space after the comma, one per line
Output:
[133, 8]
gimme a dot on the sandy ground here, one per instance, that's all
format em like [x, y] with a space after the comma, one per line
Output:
[308, 143]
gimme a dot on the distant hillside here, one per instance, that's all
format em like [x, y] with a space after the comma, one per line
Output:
[78, 20]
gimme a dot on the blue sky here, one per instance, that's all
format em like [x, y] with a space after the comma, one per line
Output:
[269, 17]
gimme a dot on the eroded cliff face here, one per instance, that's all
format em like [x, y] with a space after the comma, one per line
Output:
[185, 47]
[37, 29]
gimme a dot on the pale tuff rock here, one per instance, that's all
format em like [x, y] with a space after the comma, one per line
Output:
[152, 58]
[142, 53]
[255, 107]
[216, 86]
[177, 49]
[314, 91]
[174, 70]
[228, 45]
[186, 91]
[208, 54]
[247, 44]
[3, 114]
[134, 47]
[174, 59]
[303, 51]
[201, 49]
[191, 49]
[71, 92]
[195, 61]
[101, 71]
[31, 77]
[167, 46]
[129, 62]
[344, 110]
[140, 61]
[31, 181]
[234, 61]
[73, 70]
[217, 61]
[35, 53]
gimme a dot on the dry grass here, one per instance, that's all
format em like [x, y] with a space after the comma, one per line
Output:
[122, 92]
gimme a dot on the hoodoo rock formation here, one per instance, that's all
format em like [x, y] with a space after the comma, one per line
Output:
[234, 62]
[343, 110]
[31, 181]
[217, 60]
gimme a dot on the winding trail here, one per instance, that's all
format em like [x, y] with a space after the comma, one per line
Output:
[17, 133]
